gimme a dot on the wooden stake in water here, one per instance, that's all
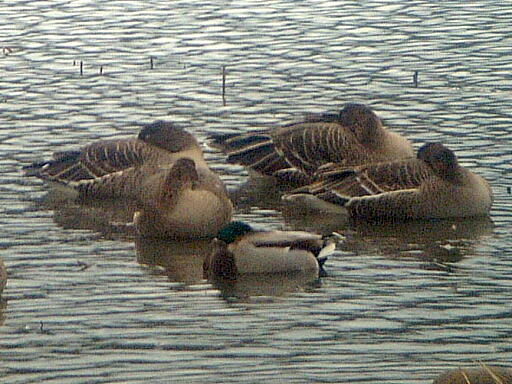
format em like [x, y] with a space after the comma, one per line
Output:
[415, 79]
[151, 63]
[81, 68]
[224, 85]
[101, 70]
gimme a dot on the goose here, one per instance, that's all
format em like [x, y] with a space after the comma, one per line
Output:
[181, 202]
[160, 142]
[162, 170]
[292, 153]
[431, 186]
[239, 249]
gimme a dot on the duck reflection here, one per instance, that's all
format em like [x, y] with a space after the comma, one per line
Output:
[181, 260]
[250, 285]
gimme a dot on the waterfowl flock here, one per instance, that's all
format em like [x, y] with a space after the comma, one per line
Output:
[347, 162]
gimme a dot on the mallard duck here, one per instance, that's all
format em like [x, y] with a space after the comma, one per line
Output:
[239, 249]
[157, 144]
[433, 185]
[484, 375]
[293, 153]
[3, 276]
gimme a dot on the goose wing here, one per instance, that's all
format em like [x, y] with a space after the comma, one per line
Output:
[372, 179]
[308, 145]
[401, 205]
[255, 150]
[92, 161]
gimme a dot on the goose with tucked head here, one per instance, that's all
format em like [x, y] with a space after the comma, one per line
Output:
[433, 185]
[163, 170]
[158, 143]
[293, 153]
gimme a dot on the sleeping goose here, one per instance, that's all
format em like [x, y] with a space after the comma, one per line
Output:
[157, 143]
[163, 171]
[433, 185]
[292, 153]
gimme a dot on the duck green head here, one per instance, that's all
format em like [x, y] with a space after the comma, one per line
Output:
[233, 231]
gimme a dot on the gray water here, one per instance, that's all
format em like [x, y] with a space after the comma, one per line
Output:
[85, 304]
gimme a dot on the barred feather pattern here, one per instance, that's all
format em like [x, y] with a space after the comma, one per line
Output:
[98, 159]
[307, 146]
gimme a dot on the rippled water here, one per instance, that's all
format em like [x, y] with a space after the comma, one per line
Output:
[401, 303]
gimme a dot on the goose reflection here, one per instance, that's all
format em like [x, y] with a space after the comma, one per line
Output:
[181, 260]
[436, 241]
[111, 219]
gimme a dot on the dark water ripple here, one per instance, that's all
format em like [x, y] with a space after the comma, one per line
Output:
[399, 304]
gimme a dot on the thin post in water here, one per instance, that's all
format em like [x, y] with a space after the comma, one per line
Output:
[151, 62]
[81, 68]
[415, 79]
[224, 85]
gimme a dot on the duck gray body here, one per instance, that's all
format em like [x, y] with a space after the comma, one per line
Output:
[238, 249]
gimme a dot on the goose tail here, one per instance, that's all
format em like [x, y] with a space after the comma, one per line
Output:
[255, 150]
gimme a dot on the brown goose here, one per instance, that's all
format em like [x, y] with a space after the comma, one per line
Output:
[157, 143]
[292, 153]
[433, 185]
[482, 375]
[163, 171]
[180, 202]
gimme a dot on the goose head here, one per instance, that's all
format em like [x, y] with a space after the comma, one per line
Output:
[167, 135]
[362, 121]
[441, 159]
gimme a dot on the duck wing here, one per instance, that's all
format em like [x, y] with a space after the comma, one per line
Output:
[318, 245]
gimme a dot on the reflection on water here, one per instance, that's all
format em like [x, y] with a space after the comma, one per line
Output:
[182, 261]
[111, 218]
[446, 240]
[248, 285]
